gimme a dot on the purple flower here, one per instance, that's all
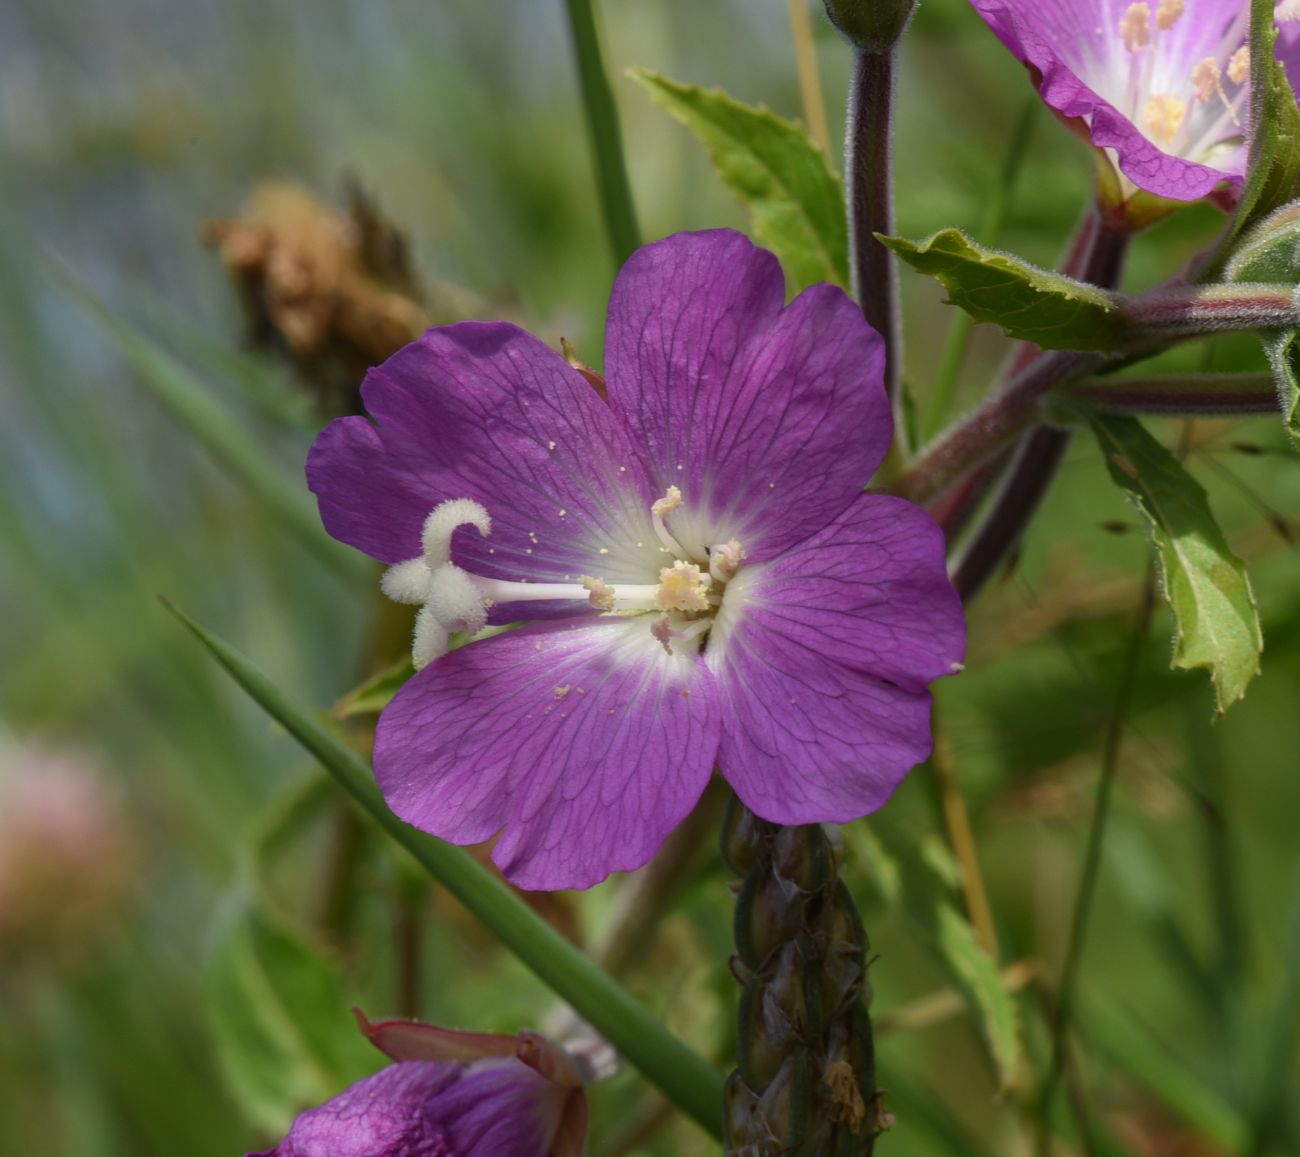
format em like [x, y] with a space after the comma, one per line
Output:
[1163, 87]
[709, 582]
[450, 1094]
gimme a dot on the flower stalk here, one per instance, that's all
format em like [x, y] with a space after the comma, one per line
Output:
[868, 165]
[805, 1076]
[1179, 394]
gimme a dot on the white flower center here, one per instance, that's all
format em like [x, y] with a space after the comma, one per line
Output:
[684, 600]
[1197, 113]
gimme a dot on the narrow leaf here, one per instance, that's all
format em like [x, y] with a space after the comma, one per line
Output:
[1029, 303]
[1215, 619]
[375, 693]
[1120, 1037]
[685, 1078]
[231, 443]
[774, 169]
[925, 872]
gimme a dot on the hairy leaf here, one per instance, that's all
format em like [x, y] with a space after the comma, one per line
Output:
[1029, 303]
[774, 169]
[1271, 253]
[1273, 175]
[1205, 584]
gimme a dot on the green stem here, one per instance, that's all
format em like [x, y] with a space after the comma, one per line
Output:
[954, 350]
[606, 138]
[685, 1078]
[1091, 869]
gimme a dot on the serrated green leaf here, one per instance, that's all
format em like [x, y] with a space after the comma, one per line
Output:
[925, 871]
[278, 1013]
[1273, 172]
[1029, 303]
[1215, 620]
[774, 169]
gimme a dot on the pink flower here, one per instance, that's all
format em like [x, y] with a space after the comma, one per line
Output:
[66, 866]
[1163, 86]
[450, 1094]
[708, 579]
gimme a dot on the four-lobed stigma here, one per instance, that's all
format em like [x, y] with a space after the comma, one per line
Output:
[451, 599]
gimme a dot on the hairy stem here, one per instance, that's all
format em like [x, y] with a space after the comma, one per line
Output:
[606, 137]
[1171, 394]
[868, 167]
[1098, 257]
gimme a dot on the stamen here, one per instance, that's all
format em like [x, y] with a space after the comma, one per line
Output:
[601, 593]
[1207, 78]
[682, 587]
[1287, 12]
[1164, 115]
[1135, 27]
[1239, 65]
[1168, 13]
[725, 560]
[671, 500]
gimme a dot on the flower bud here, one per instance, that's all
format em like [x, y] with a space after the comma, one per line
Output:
[872, 25]
[1271, 251]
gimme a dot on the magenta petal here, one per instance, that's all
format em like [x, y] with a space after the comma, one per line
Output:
[822, 658]
[1076, 51]
[483, 411]
[768, 419]
[500, 1110]
[385, 1115]
[584, 745]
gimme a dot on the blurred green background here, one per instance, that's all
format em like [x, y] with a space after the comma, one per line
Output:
[159, 1022]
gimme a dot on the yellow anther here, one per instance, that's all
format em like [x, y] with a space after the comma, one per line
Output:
[1135, 26]
[1239, 65]
[671, 500]
[1164, 115]
[725, 559]
[1168, 13]
[683, 587]
[599, 593]
[1206, 78]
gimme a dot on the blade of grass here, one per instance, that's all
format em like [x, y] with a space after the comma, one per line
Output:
[1064, 1006]
[606, 138]
[220, 433]
[954, 349]
[684, 1077]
